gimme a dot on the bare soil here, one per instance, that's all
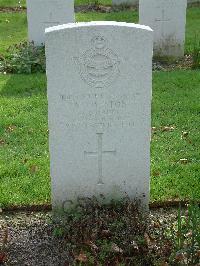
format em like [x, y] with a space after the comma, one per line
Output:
[29, 239]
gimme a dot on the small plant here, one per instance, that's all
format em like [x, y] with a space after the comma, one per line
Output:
[58, 232]
[195, 53]
[186, 240]
[105, 233]
[23, 58]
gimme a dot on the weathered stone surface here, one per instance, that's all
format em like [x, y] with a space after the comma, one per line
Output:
[126, 2]
[167, 18]
[99, 94]
[42, 14]
[136, 2]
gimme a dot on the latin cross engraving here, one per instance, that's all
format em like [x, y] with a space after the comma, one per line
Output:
[50, 23]
[99, 153]
[163, 19]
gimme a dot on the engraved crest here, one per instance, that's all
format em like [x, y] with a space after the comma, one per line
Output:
[98, 66]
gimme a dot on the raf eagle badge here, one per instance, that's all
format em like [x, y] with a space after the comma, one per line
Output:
[98, 66]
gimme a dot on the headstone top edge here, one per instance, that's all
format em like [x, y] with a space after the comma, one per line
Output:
[96, 23]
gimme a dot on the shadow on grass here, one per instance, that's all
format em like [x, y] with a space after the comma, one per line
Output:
[22, 85]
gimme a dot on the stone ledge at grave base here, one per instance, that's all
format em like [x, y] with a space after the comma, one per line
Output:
[101, 200]
[48, 207]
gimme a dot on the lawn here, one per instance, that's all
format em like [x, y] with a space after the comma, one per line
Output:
[13, 26]
[24, 156]
[12, 3]
[16, 3]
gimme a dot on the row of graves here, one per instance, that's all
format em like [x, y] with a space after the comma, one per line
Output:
[166, 18]
[99, 77]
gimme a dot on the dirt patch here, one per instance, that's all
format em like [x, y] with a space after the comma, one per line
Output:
[165, 64]
[102, 8]
[80, 8]
[88, 8]
[12, 9]
[31, 238]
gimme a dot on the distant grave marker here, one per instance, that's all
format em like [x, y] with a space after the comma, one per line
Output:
[47, 13]
[168, 19]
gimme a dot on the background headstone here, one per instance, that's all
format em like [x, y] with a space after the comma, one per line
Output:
[168, 19]
[136, 2]
[99, 94]
[42, 14]
[126, 2]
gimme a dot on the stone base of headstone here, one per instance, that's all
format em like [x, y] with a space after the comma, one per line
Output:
[168, 50]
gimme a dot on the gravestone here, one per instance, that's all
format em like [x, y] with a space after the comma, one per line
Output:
[42, 14]
[135, 2]
[125, 2]
[167, 18]
[99, 95]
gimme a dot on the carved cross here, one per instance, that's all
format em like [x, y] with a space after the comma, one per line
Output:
[99, 153]
[163, 19]
[50, 21]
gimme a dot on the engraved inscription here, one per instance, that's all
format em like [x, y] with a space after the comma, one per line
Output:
[99, 155]
[103, 111]
[98, 66]
[50, 22]
[163, 18]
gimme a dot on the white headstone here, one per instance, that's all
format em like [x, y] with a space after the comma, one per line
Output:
[125, 2]
[99, 94]
[42, 14]
[167, 18]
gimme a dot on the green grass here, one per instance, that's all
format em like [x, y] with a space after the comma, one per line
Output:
[127, 16]
[13, 27]
[176, 103]
[15, 3]
[192, 27]
[24, 173]
[12, 3]
[24, 157]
